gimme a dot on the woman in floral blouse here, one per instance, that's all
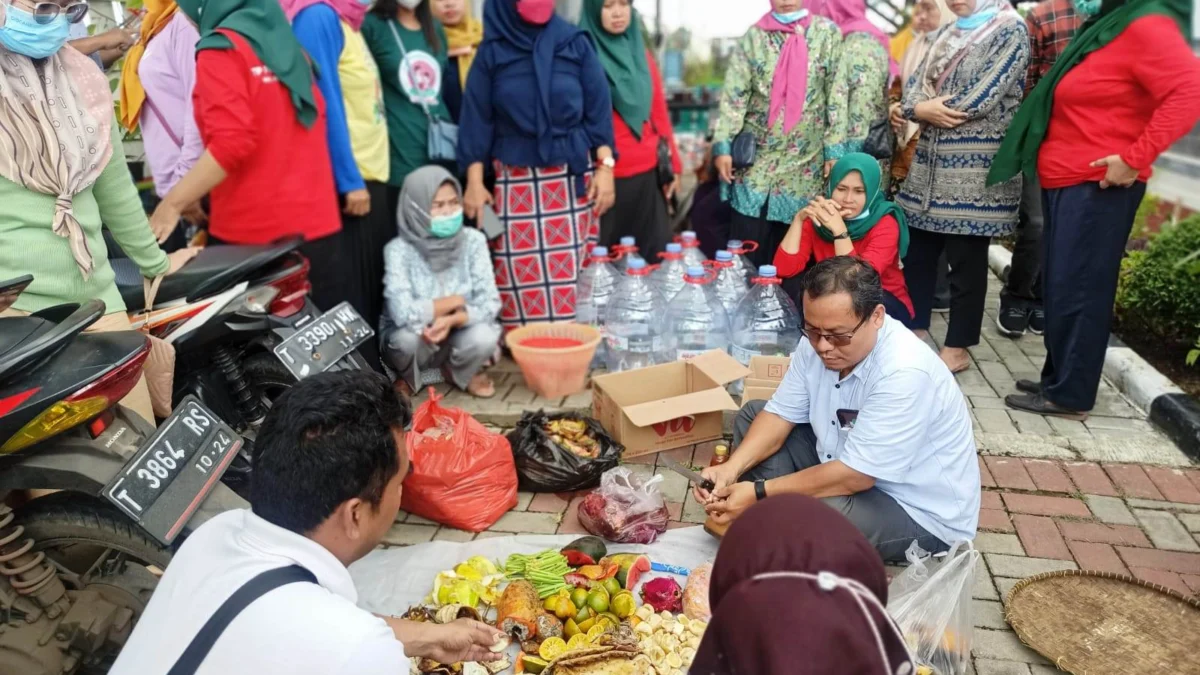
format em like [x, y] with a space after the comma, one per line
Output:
[439, 288]
[964, 94]
[858, 98]
[777, 89]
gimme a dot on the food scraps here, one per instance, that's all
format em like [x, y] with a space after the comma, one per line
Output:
[544, 570]
[670, 641]
[695, 593]
[449, 613]
[469, 583]
[663, 594]
[518, 610]
[585, 551]
[573, 436]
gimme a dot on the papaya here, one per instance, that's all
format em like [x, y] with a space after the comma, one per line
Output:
[584, 551]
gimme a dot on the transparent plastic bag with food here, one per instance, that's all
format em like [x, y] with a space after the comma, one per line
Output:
[695, 593]
[625, 509]
[931, 604]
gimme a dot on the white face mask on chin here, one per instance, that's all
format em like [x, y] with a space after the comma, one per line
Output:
[409, 4]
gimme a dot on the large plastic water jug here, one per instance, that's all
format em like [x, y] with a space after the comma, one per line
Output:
[634, 326]
[696, 320]
[597, 282]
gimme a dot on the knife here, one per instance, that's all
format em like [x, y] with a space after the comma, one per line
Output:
[693, 477]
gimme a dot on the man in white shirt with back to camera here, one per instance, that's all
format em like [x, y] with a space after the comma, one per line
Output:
[328, 470]
[867, 418]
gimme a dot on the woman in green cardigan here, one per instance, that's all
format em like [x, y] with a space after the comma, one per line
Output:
[62, 175]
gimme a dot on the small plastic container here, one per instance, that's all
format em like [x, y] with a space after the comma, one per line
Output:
[554, 357]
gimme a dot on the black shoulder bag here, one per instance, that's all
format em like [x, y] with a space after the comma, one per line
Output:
[254, 589]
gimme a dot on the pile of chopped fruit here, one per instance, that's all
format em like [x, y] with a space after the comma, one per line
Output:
[669, 640]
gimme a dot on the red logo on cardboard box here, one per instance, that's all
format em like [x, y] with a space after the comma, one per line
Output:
[684, 424]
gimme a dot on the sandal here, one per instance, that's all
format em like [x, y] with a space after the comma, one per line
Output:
[481, 386]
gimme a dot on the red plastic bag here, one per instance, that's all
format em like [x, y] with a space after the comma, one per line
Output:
[463, 475]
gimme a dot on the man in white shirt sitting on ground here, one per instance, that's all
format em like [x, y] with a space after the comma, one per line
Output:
[867, 418]
[329, 463]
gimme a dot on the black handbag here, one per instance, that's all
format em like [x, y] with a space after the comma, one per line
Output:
[881, 140]
[744, 150]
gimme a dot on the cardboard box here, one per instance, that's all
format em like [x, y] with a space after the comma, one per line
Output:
[667, 406]
[766, 372]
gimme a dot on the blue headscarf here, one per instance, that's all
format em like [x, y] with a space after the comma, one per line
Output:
[512, 38]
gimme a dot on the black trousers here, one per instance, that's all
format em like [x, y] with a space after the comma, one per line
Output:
[1024, 285]
[364, 238]
[967, 257]
[1086, 231]
[767, 233]
[639, 212]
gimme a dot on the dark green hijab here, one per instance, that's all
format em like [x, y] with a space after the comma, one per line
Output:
[1019, 151]
[624, 59]
[876, 206]
[263, 24]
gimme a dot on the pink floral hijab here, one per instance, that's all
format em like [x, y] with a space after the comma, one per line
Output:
[56, 117]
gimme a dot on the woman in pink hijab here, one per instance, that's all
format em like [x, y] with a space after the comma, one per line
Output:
[858, 98]
[773, 114]
[329, 30]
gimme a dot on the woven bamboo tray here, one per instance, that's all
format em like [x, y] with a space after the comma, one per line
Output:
[1098, 623]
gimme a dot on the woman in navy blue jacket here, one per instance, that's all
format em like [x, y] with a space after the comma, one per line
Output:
[537, 103]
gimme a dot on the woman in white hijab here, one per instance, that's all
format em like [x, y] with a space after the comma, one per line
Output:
[928, 18]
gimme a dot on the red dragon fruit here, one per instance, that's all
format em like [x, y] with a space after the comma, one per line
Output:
[663, 594]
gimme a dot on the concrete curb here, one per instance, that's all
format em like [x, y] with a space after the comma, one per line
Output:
[1166, 405]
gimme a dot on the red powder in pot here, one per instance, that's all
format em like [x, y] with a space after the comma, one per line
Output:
[544, 342]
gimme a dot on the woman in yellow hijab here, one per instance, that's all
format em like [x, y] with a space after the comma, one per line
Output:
[464, 32]
[156, 93]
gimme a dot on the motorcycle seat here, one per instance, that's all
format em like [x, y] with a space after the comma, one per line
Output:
[28, 341]
[215, 269]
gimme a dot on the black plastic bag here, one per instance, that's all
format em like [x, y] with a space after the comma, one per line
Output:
[544, 466]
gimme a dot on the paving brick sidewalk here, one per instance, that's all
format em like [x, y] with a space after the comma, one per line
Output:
[1110, 494]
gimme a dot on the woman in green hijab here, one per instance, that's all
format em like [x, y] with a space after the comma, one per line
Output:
[852, 219]
[266, 166]
[648, 167]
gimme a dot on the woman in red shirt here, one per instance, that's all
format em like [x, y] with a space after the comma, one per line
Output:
[1124, 90]
[642, 127]
[855, 220]
[266, 160]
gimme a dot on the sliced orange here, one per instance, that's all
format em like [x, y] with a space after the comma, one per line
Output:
[552, 648]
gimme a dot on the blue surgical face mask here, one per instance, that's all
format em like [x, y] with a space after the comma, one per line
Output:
[864, 214]
[446, 226]
[790, 17]
[21, 33]
[1088, 7]
[977, 19]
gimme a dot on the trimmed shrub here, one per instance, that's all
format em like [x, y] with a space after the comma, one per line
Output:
[1158, 293]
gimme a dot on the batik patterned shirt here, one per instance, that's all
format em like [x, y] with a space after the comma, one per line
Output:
[858, 98]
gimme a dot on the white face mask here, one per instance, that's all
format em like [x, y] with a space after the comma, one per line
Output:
[409, 4]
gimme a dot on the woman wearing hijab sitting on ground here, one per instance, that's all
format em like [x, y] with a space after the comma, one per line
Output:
[964, 94]
[853, 219]
[537, 102]
[464, 33]
[357, 135]
[439, 289]
[777, 93]
[63, 176]
[641, 122]
[797, 590]
[266, 159]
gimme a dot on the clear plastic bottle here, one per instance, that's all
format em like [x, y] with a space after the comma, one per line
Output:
[731, 287]
[634, 324]
[597, 282]
[766, 322]
[696, 321]
[668, 278]
[692, 255]
[742, 264]
[622, 252]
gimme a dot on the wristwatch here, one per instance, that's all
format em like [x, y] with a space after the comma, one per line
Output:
[760, 489]
[844, 235]
[608, 162]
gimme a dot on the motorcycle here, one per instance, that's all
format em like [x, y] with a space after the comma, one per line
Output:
[78, 565]
[244, 329]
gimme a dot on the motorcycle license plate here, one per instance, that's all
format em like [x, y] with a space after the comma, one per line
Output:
[323, 341]
[171, 474]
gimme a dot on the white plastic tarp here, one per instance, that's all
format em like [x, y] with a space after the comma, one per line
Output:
[392, 580]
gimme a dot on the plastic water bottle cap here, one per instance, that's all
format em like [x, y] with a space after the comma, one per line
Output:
[724, 256]
[767, 271]
[628, 241]
[734, 243]
[636, 263]
[688, 235]
[600, 252]
[674, 248]
[695, 271]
